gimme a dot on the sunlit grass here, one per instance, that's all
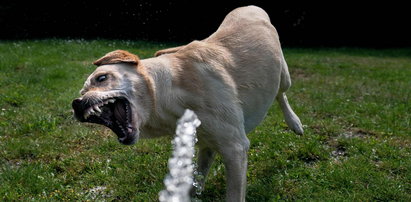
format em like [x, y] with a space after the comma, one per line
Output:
[354, 103]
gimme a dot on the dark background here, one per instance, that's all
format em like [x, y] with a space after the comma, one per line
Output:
[333, 24]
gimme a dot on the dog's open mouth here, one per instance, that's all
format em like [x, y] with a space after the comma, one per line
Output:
[115, 113]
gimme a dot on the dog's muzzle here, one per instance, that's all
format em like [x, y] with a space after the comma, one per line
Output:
[115, 113]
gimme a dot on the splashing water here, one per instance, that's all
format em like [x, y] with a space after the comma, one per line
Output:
[180, 178]
[198, 177]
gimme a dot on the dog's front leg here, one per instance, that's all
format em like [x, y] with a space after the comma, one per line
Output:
[234, 155]
[205, 160]
[235, 161]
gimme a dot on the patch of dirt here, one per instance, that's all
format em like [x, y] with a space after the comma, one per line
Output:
[339, 150]
[357, 133]
[19, 68]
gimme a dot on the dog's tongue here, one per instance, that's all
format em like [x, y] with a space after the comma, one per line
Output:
[119, 111]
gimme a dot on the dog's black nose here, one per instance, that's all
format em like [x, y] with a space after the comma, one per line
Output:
[77, 101]
[78, 107]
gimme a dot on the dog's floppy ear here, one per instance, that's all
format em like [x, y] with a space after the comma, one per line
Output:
[117, 56]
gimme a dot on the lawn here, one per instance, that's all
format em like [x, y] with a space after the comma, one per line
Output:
[354, 104]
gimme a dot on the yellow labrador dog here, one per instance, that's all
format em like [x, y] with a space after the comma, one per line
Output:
[229, 79]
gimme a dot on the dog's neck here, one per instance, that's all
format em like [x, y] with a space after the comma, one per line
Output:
[161, 75]
[142, 70]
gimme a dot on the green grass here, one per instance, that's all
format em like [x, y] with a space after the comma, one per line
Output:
[354, 103]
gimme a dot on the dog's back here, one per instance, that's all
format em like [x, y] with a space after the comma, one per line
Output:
[246, 52]
[253, 43]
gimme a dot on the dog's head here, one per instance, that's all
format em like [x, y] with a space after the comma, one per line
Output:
[116, 95]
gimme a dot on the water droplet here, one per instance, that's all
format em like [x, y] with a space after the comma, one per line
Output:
[181, 167]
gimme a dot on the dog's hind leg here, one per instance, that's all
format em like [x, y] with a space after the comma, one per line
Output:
[290, 117]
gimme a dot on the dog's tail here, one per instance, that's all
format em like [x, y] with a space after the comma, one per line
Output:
[291, 118]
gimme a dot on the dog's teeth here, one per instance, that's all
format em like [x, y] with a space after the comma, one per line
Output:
[86, 114]
[92, 111]
[111, 100]
[96, 108]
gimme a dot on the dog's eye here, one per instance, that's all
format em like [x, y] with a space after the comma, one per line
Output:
[101, 78]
